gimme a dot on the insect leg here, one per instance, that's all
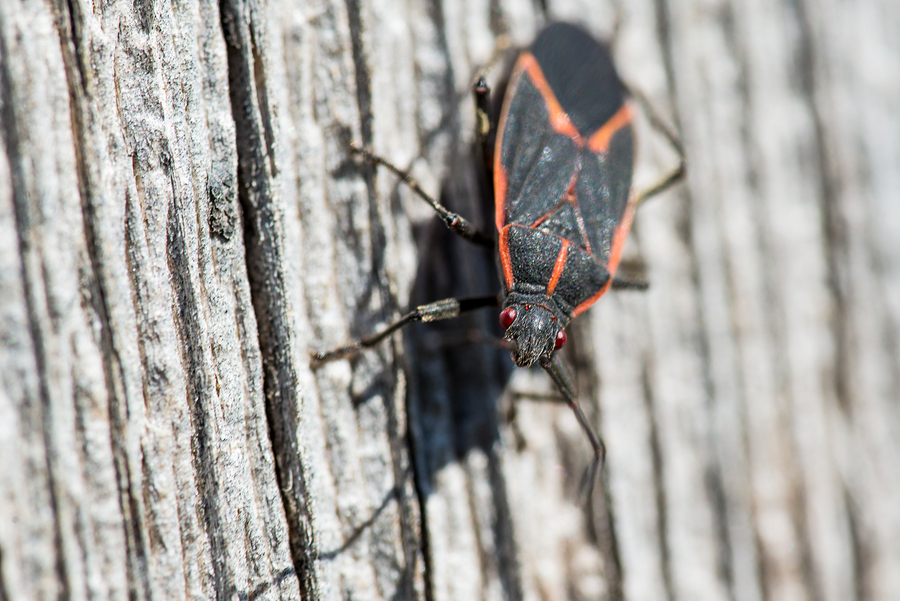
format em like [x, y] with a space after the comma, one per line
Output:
[484, 125]
[676, 173]
[454, 221]
[436, 311]
[563, 382]
[618, 19]
[625, 282]
[502, 43]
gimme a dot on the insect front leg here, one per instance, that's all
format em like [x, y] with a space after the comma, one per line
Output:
[436, 311]
[455, 222]
[485, 122]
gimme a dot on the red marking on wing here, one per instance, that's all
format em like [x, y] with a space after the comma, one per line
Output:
[559, 119]
[500, 180]
[569, 198]
[505, 260]
[572, 197]
[570, 192]
[558, 268]
[615, 254]
[500, 186]
[618, 241]
[579, 221]
[546, 215]
[599, 141]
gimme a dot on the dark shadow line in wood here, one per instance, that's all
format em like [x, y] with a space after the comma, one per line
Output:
[24, 218]
[263, 240]
[69, 20]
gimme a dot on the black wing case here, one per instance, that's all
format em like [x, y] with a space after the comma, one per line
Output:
[563, 163]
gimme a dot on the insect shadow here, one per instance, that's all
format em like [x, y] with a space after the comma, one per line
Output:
[458, 368]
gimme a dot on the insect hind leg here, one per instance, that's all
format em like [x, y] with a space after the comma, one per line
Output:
[677, 173]
[455, 222]
[673, 175]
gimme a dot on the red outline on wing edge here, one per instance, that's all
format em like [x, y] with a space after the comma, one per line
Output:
[505, 260]
[615, 254]
[558, 267]
[559, 119]
[600, 139]
[500, 180]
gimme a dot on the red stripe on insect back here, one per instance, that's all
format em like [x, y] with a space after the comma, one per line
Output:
[505, 260]
[615, 254]
[558, 267]
[500, 185]
[500, 180]
[559, 119]
[618, 241]
[599, 141]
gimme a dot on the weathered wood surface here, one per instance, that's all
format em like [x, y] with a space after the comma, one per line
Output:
[180, 224]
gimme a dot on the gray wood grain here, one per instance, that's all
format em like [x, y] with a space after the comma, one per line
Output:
[181, 224]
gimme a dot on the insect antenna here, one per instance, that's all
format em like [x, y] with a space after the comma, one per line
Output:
[557, 372]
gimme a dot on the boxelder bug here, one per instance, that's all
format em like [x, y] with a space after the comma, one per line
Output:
[562, 169]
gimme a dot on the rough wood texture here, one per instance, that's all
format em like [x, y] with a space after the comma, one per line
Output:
[181, 223]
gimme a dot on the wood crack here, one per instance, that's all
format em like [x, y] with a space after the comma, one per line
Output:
[263, 239]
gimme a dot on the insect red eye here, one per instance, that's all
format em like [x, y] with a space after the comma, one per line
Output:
[560, 340]
[507, 316]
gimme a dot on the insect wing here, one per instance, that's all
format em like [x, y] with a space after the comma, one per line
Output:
[534, 163]
[565, 149]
